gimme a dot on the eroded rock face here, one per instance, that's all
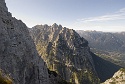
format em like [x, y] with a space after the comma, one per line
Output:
[118, 78]
[18, 55]
[65, 52]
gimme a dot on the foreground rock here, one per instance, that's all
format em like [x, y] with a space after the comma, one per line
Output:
[18, 56]
[65, 52]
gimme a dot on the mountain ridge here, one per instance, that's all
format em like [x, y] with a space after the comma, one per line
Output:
[67, 55]
[65, 52]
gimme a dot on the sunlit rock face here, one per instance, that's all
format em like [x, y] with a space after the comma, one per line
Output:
[65, 52]
[18, 55]
[118, 78]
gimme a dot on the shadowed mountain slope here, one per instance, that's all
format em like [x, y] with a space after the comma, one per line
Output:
[104, 68]
[118, 78]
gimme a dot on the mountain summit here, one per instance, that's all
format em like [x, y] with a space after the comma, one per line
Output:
[65, 52]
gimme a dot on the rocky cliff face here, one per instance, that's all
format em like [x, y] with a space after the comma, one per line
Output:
[118, 78]
[18, 55]
[65, 52]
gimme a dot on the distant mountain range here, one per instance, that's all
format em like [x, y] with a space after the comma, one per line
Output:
[110, 46]
[105, 40]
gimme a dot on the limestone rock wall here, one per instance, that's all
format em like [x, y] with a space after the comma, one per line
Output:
[18, 55]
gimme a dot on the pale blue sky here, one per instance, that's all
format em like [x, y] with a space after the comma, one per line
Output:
[100, 15]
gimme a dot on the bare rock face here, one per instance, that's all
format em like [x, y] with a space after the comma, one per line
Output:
[18, 55]
[65, 52]
[118, 78]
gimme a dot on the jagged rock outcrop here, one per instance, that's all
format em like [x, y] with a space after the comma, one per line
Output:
[65, 52]
[118, 78]
[18, 55]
